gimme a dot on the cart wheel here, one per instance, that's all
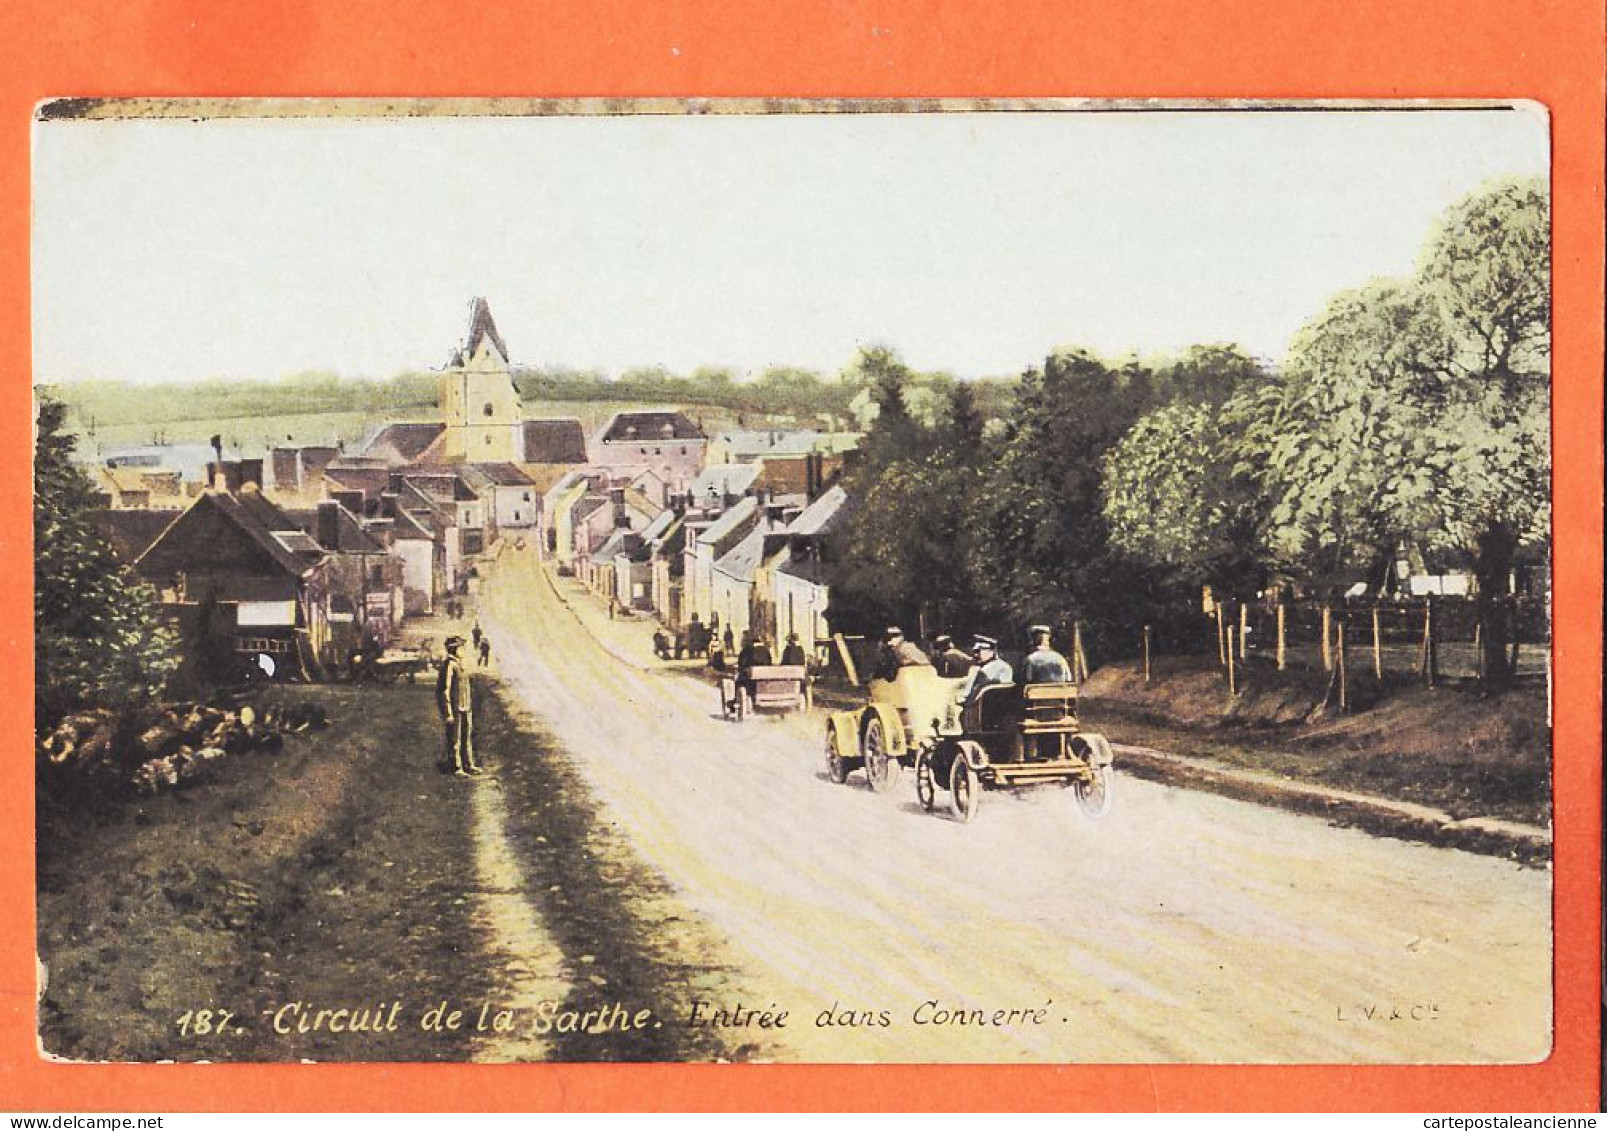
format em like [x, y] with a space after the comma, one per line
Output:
[965, 791]
[925, 780]
[742, 708]
[1093, 796]
[836, 768]
[881, 768]
[725, 704]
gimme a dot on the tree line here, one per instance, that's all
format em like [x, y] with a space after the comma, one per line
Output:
[1409, 412]
[805, 396]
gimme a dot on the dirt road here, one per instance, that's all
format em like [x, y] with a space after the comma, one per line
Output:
[1181, 927]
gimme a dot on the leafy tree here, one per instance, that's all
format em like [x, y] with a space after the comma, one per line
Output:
[903, 553]
[1352, 463]
[1206, 375]
[1418, 409]
[1041, 547]
[97, 638]
[1176, 498]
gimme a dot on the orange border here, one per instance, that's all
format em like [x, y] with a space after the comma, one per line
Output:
[1550, 51]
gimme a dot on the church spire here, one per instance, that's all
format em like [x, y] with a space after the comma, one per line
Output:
[481, 328]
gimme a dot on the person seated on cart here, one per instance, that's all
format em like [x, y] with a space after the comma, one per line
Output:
[1043, 664]
[987, 670]
[951, 663]
[991, 670]
[792, 655]
[755, 654]
[897, 653]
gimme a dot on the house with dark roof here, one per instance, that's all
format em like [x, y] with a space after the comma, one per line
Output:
[554, 440]
[130, 530]
[406, 444]
[664, 440]
[707, 545]
[740, 586]
[796, 575]
[365, 577]
[423, 559]
[243, 581]
[510, 493]
[599, 517]
[471, 512]
[664, 541]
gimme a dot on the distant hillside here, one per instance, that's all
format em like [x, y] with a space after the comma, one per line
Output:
[321, 408]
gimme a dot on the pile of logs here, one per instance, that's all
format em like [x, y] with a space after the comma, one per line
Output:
[157, 748]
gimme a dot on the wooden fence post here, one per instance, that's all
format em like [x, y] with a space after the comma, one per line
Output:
[1079, 657]
[1378, 647]
[1233, 687]
[1281, 609]
[1431, 658]
[1146, 653]
[1244, 631]
[1479, 666]
[847, 658]
[1327, 647]
[1221, 637]
[1339, 662]
[1548, 688]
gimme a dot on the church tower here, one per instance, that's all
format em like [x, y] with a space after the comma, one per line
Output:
[484, 421]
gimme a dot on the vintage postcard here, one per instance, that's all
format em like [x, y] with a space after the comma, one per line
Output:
[798, 582]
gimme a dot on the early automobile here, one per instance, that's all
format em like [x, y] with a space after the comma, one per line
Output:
[774, 687]
[1008, 737]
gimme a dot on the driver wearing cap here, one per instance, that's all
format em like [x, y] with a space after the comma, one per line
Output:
[991, 669]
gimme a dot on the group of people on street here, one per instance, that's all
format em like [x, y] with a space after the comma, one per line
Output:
[695, 642]
[983, 667]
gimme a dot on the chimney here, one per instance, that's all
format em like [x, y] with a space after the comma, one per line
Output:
[351, 500]
[326, 529]
[616, 495]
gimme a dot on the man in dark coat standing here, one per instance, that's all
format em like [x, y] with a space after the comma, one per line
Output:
[454, 697]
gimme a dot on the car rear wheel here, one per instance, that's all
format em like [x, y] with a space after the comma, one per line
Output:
[1093, 795]
[881, 768]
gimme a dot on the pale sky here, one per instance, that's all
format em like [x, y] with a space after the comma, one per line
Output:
[975, 243]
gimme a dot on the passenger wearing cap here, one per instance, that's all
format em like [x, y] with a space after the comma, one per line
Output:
[951, 663]
[897, 653]
[990, 670]
[1043, 664]
[987, 670]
